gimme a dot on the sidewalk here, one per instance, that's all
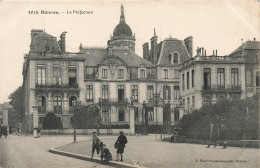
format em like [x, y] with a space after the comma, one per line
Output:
[154, 153]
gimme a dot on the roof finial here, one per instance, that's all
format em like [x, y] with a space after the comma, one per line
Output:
[122, 17]
[154, 32]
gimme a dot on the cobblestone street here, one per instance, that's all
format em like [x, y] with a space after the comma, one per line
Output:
[28, 152]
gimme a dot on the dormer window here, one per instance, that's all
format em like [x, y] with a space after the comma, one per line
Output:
[174, 58]
[142, 73]
[104, 73]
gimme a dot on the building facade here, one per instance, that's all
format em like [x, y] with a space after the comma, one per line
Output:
[4, 114]
[115, 78]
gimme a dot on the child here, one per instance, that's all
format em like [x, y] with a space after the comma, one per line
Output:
[105, 154]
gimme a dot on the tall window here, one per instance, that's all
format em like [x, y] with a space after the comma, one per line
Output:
[176, 93]
[192, 78]
[165, 74]
[142, 73]
[105, 92]
[207, 78]
[183, 84]
[193, 101]
[41, 104]
[221, 77]
[166, 92]
[56, 74]
[175, 58]
[41, 74]
[89, 93]
[150, 114]
[150, 91]
[104, 73]
[188, 80]
[121, 114]
[176, 74]
[105, 115]
[120, 74]
[135, 93]
[257, 79]
[188, 103]
[72, 75]
[57, 104]
[234, 77]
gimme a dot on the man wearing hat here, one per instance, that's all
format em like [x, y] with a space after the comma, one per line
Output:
[120, 145]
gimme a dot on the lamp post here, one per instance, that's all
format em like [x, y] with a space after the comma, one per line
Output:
[74, 103]
[146, 119]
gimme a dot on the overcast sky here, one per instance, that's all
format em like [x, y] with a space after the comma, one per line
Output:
[214, 25]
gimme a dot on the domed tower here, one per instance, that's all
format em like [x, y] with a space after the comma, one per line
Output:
[122, 35]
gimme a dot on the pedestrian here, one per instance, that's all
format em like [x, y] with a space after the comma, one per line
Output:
[120, 145]
[1, 131]
[95, 144]
[5, 133]
[224, 135]
[105, 154]
[213, 138]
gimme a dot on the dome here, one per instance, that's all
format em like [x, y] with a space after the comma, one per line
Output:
[122, 30]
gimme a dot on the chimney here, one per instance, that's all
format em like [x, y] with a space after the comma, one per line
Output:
[216, 52]
[213, 53]
[202, 51]
[154, 48]
[205, 53]
[188, 42]
[254, 38]
[146, 51]
[62, 41]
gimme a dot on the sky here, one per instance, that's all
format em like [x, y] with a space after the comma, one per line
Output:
[215, 25]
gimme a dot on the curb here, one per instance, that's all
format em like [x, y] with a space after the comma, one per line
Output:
[88, 158]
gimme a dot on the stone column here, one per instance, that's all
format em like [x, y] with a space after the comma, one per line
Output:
[49, 102]
[35, 121]
[181, 111]
[132, 120]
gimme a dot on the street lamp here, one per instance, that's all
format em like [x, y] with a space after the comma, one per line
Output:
[74, 103]
[146, 119]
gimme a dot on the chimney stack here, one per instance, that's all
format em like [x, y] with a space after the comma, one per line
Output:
[202, 51]
[216, 52]
[62, 41]
[146, 51]
[254, 38]
[213, 53]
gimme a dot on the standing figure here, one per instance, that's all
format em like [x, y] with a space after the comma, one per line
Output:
[120, 145]
[95, 144]
[105, 154]
[4, 128]
[1, 131]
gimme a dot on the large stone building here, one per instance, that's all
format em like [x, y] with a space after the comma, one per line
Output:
[115, 78]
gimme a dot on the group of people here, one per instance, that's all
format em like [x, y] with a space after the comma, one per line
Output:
[3, 131]
[105, 154]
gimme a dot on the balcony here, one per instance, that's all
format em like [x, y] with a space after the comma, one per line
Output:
[113, 101]
[60, 87]
[216, 88]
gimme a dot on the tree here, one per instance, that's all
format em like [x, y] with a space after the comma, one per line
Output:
[50, 121]
[15, 114]
[87, 116]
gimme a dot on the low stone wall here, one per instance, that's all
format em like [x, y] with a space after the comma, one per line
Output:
[234, 143]
[83, 131]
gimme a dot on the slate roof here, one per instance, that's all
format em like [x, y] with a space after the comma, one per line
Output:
[95, 57]
[170, 45]
[39, 43]
[248, 45]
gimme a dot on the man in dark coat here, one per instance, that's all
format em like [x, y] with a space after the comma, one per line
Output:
[120, 145]
[1, 131]
[4, 128]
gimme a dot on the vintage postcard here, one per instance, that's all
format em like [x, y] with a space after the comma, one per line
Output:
[155, 84]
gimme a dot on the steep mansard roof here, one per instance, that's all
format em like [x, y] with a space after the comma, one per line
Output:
[248, 45]
[169, 46]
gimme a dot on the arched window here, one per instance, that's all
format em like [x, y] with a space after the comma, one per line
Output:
[257, 79]
[72, 100]
[57, 104]
[41, 101]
